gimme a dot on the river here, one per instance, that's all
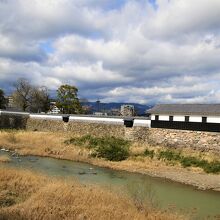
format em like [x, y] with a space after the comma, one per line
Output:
[161, 192]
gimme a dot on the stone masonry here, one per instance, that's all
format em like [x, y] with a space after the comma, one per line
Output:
[203, 141]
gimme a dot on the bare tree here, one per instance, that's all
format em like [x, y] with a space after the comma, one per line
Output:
[30, 98]
[22, 94]
[40, 101]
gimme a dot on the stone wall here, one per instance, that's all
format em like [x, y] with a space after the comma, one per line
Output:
[84, 128]
[96, 129]
[203, 141]
[44, 125]
[77, 128]
[13, 121]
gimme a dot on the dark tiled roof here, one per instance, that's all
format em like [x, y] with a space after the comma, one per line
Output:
[186, 109]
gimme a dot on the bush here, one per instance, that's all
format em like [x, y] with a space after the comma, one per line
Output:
[149, 153]
[86, 141]
[212, 167]
[111, 148]
[208, 167]
[192, 161]
[112, 152]
[169, 155]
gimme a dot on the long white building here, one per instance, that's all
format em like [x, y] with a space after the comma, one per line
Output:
[204, 117]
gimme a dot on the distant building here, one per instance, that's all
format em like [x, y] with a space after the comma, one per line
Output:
[53, 108]
[115, 112]
[10, 102]
[100, 114]
[127, 110]
[200, 117]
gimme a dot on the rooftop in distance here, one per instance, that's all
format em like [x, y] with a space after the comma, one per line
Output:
[186, 109]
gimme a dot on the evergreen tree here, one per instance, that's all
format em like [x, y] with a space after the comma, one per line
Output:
[67, 100]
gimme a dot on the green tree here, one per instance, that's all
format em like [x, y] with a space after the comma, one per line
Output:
[2, 99]
[67, 100]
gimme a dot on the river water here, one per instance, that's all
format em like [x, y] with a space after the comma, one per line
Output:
[162, 193]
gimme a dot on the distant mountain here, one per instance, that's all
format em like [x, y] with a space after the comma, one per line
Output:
[96, 107]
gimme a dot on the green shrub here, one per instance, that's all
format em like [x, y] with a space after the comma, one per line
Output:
[169, 155]
[187, 161]
[212, 167]
[111, 148]
[149, 153]
[86, 141]
[112, 152]
[192, 161]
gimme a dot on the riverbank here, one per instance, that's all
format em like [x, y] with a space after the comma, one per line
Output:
[27, 195]
[53, 145]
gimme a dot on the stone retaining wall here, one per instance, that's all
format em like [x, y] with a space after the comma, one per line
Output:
[44, 125]
[77, 128]
[203, 141]
[84, 128]
[12, 121]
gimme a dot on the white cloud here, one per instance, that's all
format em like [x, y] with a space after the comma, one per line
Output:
[113, 50]
[175, 18]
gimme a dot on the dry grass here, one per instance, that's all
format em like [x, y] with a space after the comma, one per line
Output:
[52, 144]
[24, 195]
[42, 144]
[5, 159]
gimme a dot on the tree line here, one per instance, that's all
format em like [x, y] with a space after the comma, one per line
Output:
[27, 97]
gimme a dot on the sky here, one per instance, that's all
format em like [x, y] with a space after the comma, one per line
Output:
[142, 51]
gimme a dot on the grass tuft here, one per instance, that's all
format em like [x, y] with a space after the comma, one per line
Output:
[149, 153]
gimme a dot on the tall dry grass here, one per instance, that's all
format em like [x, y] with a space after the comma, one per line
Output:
[25, 195]
[42, 144]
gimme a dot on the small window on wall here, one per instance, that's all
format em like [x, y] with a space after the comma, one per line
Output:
[186, 118]
[170, 118]
[204, 119]
[156, 117]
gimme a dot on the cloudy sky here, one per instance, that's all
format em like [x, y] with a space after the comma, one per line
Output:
[144, 51]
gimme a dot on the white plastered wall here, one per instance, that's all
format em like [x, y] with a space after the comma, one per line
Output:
[178, 118]
[195, 118]
[213, 119]
[97, 119]
[142, 123]
[46, 117]
[164, 117]
[152, 117]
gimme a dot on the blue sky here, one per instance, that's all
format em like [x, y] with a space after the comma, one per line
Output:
[144, 51]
